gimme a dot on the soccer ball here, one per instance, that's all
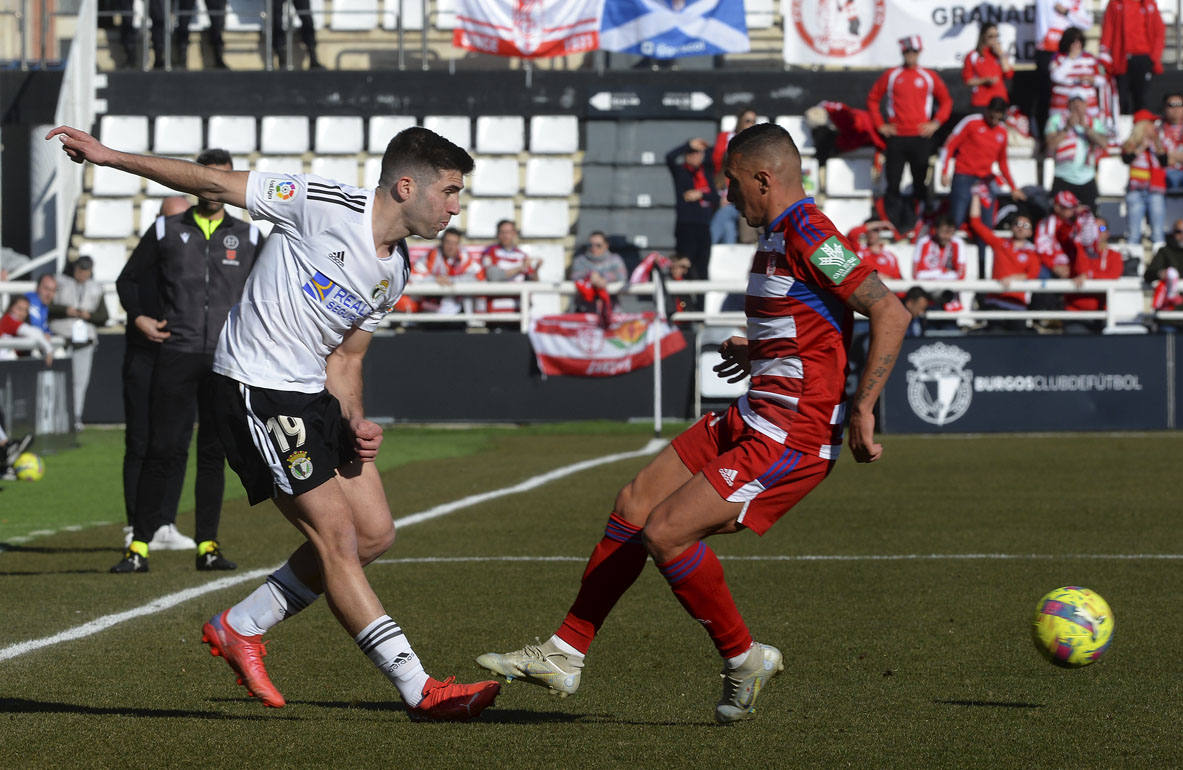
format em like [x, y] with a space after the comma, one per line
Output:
[29, 467]
[1073, 626]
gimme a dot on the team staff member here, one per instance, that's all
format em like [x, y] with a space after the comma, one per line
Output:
[200, 260]
[139, 361]
[907, 105]
[977, 143]
[748, 467]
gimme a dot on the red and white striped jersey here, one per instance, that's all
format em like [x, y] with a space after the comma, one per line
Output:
[1083, 75]
[1172, 139]
[495, 257]
[1048, 241]
[932, 262]
[798, 330]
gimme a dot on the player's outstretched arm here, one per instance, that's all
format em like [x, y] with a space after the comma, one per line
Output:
[203, 181]
[343, 378]
[889, 322]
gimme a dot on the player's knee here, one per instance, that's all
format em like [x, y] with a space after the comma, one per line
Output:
[630, 505]
[375, 542]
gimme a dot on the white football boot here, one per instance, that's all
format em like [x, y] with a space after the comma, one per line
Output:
[542, 664]
[742, 685]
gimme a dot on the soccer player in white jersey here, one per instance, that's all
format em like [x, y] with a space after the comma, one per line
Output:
[290, 389]
[745, 468]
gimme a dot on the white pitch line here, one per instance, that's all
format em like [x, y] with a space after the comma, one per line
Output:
[171, 600]
[818, 557]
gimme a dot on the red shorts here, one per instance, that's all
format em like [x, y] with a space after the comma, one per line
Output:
[747, 467]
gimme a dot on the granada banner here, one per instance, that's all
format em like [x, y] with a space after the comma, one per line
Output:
[575, 343]
[867, 32]
[528, 28]
[667, 29]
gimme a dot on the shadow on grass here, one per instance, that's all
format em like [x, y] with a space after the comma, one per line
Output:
[26, 706]
[39, 573]
[493, 715]
[991, 704]
[18, 548]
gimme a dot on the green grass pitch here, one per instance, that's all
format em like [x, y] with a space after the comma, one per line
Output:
[901, 594]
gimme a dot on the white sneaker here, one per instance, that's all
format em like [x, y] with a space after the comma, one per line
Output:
[169, 538]
[542, 664]
[741, 686]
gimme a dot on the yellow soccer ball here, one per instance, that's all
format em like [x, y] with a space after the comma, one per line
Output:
[29, 467]
[1073, 626]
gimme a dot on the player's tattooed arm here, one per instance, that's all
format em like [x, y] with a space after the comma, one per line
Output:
[889, 321]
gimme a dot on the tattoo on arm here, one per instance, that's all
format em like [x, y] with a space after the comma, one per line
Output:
[870, 291]
[874, 376]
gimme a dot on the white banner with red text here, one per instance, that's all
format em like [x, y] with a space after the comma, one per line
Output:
[529, 28]
[576, 343]
[863, 33]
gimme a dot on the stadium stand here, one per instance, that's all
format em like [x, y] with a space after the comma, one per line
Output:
[456, 128]
[106, 181]
[338, 168]
[554, 135]
[283, 135]
[383, 128]
[550, 177]
[339, 135]
[127, 133]
[545, 218]
[500, 134]
[481, 215]
[109, 218]
[177, 135]
[494, 177]
[236, 134]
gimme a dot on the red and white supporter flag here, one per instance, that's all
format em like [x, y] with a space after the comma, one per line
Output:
[530, 28]
[576, 344]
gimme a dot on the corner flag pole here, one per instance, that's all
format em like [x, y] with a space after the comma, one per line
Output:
[658, 320]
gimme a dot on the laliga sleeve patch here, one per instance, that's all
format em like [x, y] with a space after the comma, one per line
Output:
[279, 190]
[834, 259]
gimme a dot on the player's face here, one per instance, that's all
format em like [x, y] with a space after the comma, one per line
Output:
[744, 190]
[435, 204]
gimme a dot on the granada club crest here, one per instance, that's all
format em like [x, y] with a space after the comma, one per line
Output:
[838, 27]
[939, 389]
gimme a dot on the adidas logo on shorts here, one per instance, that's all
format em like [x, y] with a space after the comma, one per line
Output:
[728, 475]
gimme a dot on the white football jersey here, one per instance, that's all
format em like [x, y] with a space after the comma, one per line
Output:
[317, 277]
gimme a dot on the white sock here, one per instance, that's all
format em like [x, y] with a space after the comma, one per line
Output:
[565, 648]
[384, 643]
[739, 659]
[281, 596]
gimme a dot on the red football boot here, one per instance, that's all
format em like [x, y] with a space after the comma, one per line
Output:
[245, 655]
[448, 701]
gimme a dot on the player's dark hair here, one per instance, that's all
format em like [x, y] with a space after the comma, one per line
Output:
[983, 31]
[422, 155]
[916, 292]
[215, 156]
[451, 231]
[762, 139]
[501, 222]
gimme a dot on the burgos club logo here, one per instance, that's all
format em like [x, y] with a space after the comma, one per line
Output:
[939, 389]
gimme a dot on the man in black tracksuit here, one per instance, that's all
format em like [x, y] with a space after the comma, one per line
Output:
[695, 201]
[200, 260]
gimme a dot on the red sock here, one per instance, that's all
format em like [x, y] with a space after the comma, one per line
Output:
[614, 566]
[696, 576]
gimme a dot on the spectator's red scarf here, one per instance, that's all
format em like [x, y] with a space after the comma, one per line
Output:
[701, 183]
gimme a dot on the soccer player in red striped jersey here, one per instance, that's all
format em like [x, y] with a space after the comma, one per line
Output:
[747, 467]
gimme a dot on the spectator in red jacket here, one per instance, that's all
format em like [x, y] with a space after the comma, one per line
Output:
[987, 68]
[1014, 260]
[726, 226]
[1132, 38]
[1096, 262]
[976, 144]
[837, 128]
[872, 249]
[907, 105]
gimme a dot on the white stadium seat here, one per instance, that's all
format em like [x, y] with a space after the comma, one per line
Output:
[149, 210]
[284, 135]
[795, 125]
[550, 176]
[455, 128]
[339, 169]
[483, 214]
[109, 258]
[494, 177]
[759, 13]
[382, 130]
[370, 171]
[848, 177]
[545, 218]
[354, 15]
[113, 182]
[177, 135]
[339, 135]
[728, 262]
[846, 213]
[109, 218]
[445, 14]
[1024, 171]
[233, 133]
[411, 11]
[126, 133]
[1112, 177]
[500, 134]
[554, 134]
[280, 164]
[554, 260]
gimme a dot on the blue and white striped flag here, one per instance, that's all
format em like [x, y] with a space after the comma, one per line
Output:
[667, 29]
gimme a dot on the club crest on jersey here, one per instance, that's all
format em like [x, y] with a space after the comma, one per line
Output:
[834, 259]
[279, 190]
[336, 298]
[299, 465]
[379, 290]
[230, 242]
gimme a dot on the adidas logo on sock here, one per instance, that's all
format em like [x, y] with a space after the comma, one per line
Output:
[728, 475]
